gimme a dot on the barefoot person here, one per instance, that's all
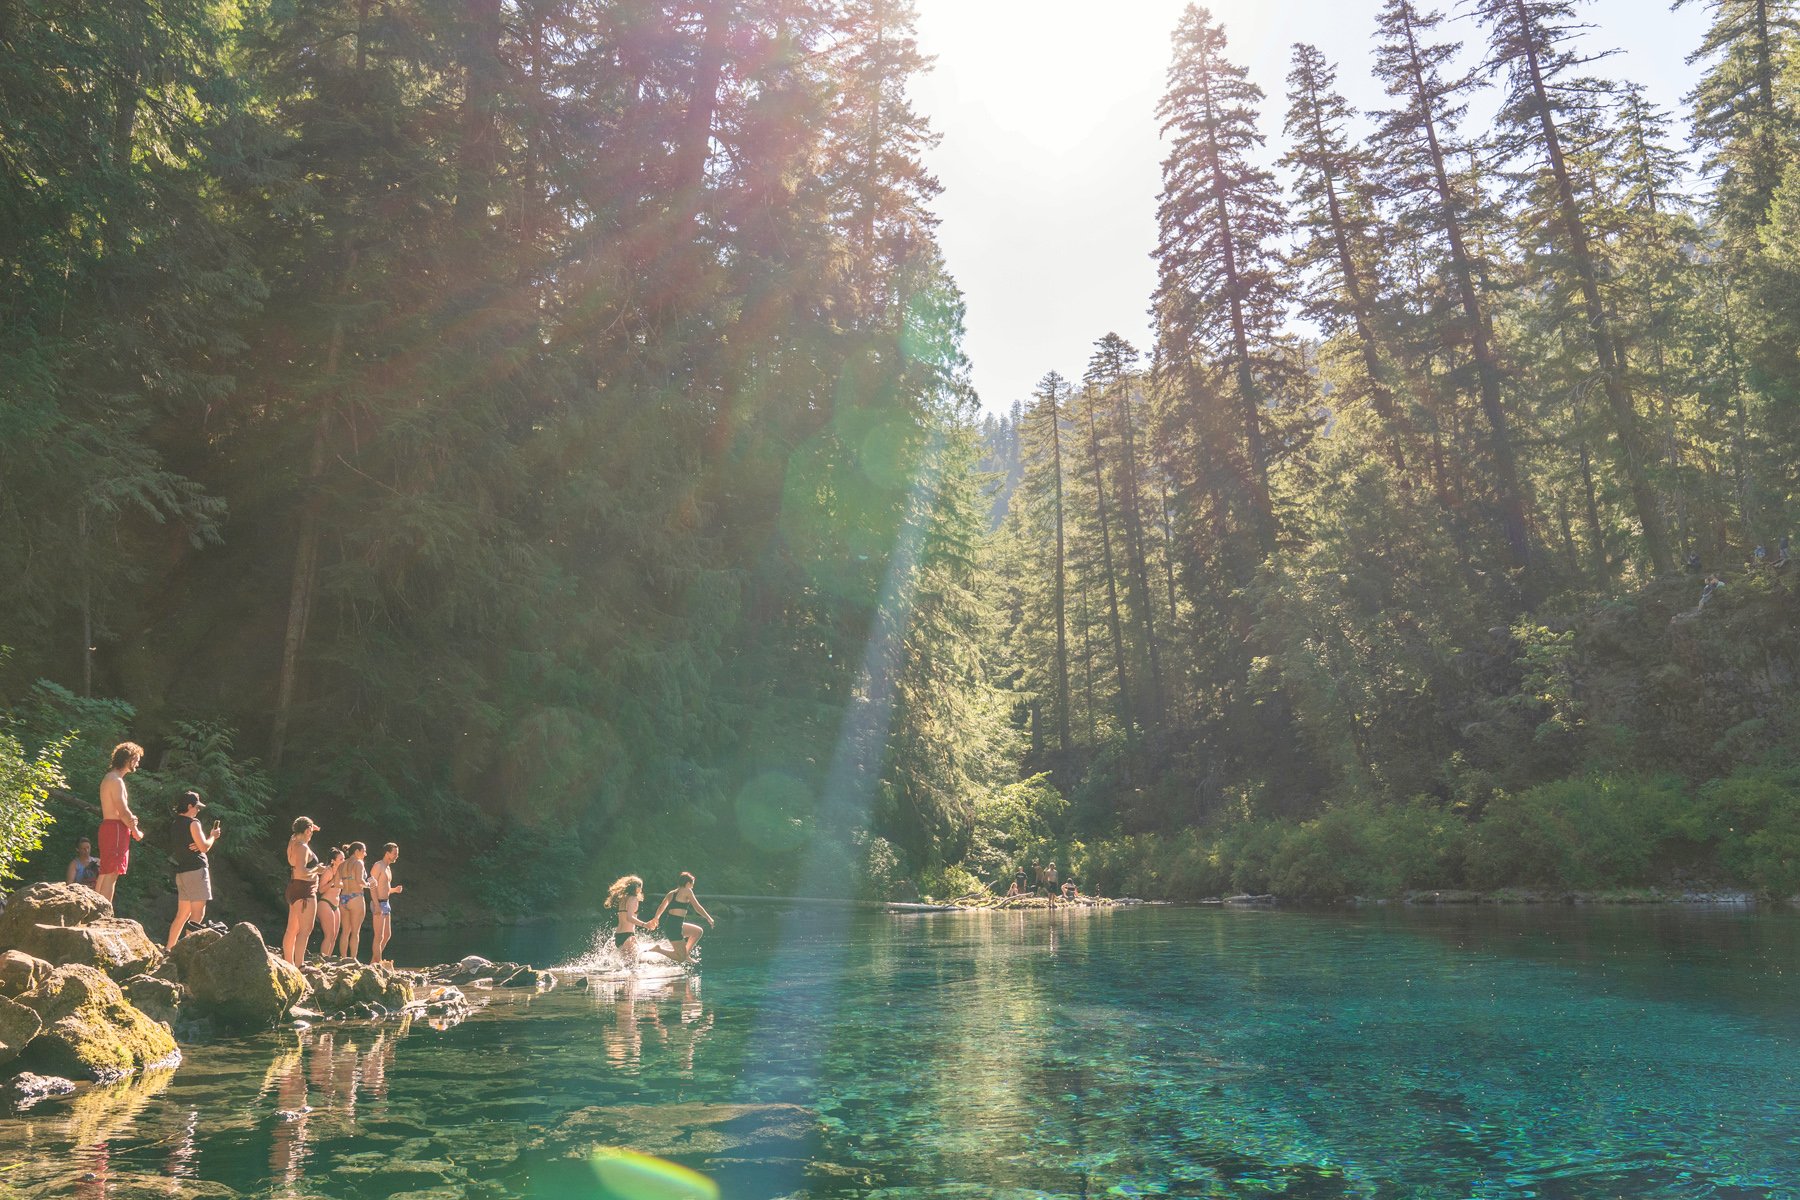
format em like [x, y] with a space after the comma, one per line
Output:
[626, 893]
[328, 902]
[84, 868]
[304, 869]
[118, 824]
[353, 881]
[188, 845]
[382, 885]
[671, 919]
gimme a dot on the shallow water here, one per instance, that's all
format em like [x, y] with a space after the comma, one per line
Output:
[1181, 1052]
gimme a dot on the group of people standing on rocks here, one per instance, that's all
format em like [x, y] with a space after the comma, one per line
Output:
[1042, 881]
[672, 919]
[337, 892]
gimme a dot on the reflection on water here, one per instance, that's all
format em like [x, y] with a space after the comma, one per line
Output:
[1195, 1053]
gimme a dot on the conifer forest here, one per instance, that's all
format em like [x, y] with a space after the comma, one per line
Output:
[540, 431]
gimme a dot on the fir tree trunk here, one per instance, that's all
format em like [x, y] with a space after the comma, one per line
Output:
[1058, 587]
[1106, 557]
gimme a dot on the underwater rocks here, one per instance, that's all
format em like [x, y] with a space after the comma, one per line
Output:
[66, 923]
[688, 1131]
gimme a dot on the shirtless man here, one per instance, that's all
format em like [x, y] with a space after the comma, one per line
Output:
[118, 824]
[381, 882]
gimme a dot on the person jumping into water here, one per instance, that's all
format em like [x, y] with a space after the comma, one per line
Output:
[382, 885]
[118, 824]
[626, 893]
[671, 919]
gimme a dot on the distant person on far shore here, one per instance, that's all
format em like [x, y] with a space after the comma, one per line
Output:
[671, 918]
[353, 881]
[382, 886]
[1069, 890]
[1713, 584]
[1037, 875]
[625, 895]
[84, 868]
[188, 846]
[304, 869]
[1052, 886]
[118, 824]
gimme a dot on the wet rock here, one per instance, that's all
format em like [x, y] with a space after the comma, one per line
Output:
[688, 1130]
[155, 997]
[1249, 899]
[18, 1025]
[236, 980]
[20, 972]
[339, 986]
[91, 1030]
[1443, 897]
[65, 923]
[26, 1089]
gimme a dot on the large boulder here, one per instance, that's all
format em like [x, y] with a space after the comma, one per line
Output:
[237, 982]
[18, 1025]
[174, 968]
[19, 972]
[156, 997]
[91, 1030]
[65, 923]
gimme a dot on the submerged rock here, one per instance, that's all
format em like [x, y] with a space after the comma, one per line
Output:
[66, 923]
[18, 1025]
[91, 1030]
[688, 1130]
[236, 980]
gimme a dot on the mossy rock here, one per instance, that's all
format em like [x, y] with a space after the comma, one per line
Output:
[90, 1030]
[155, 997]
[238, 982]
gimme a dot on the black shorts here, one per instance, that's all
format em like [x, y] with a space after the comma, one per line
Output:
[671, 927]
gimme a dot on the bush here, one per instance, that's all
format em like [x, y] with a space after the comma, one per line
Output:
[25, 785]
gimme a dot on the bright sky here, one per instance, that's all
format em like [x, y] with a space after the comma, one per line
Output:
[1051, 162]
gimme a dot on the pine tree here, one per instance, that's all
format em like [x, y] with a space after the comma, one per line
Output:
[1529, 40]
[1041, 434]
[1219, 296]
[1418, 142]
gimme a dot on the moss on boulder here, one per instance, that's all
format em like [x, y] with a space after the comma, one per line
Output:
[90, 1030]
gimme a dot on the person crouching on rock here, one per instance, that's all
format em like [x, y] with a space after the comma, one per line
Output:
[84, 868]
[188, 844]
[381, 883]
[304, 869]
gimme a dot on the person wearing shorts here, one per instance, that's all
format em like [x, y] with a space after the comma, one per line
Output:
[118, 824]
[188, 845]
[382, 886]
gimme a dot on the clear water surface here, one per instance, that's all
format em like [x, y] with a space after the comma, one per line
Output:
[1154, 1052]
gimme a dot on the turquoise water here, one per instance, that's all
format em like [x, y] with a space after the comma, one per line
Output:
[1178, 1052]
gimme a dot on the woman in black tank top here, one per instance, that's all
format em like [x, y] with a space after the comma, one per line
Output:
[672, 921]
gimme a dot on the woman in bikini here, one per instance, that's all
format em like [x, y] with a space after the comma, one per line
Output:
[353, 881]
[672, 919]
[302, 890]
[626, 893]
[328, 901]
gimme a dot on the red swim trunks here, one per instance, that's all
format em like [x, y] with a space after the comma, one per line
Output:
[115, 848]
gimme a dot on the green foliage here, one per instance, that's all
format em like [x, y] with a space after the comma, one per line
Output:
[26, 781]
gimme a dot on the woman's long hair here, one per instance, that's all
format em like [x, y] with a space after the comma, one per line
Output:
[623, 886]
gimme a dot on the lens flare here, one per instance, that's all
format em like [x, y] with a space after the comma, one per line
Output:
[628, 1175]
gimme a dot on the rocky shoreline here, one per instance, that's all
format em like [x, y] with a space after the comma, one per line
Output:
[87, 997]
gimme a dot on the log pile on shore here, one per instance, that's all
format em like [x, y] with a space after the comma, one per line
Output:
[985, 900]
